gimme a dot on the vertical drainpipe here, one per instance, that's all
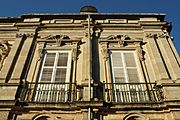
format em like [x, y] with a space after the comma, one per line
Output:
[89, 62]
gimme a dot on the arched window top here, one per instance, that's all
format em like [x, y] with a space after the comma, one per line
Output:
[44, 116]
[135, 116]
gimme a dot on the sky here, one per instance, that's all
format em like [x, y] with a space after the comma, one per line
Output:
[13, 8]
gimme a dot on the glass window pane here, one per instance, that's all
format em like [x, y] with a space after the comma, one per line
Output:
[119, 75]
[132, 75]
[116, 59]
[46, 75]
[60, 75]
[62, 61]
[129, 60]
[50, 59]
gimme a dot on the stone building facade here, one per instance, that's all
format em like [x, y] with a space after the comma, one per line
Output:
[88, 66]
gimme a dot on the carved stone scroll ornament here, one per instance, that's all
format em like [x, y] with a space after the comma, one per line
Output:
[120, 38]
[57, 38]
[4, 51]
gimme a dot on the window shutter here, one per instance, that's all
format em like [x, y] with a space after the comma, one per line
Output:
[63, 59]
[46, 74]
[132, 75]
[129, 60]
[117, 59]
[119, 75]
[48, 67]
[124, 67]
[50, 58]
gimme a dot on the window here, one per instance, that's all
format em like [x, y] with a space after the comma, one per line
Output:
[55, 73]
[126, 77]
[124, 67]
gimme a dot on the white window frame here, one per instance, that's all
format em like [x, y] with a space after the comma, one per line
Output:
[125, 73]
[68, 71]
[124, 67]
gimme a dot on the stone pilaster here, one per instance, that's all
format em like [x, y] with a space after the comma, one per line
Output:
[170, 59]
[23, 56]
[10, 62]
[156, 58]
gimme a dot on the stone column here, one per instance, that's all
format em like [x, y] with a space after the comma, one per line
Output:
[155, 57]
[10, 62]
[23, 57]
[169, 58]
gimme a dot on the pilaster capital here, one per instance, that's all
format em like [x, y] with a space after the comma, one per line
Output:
[162, 35]
[151, 35]
[29, 35]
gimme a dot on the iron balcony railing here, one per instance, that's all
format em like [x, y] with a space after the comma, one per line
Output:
[49, 92]
[132, 92]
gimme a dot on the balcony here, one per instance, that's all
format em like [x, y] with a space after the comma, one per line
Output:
[132, 93]
[112, 92]
[49, 92]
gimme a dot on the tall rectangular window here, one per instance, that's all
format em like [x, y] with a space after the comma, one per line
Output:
[124, 67]
[54, 75]
[126, 77]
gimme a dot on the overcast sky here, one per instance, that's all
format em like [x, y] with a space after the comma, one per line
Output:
[170, 7]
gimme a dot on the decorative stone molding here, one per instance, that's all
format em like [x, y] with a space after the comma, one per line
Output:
[151, 35]
[140, 54]
[122, 40]
[40, 49]
[158, 35]
[74, 53]
[19, 35]
[45, 116]
[162, 35]
[4, 51]
[57, 38]
[104, 51]
[119, 38]
[135, 116]
[30, 35]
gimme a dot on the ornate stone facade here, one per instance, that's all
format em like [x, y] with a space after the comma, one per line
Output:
[88, 66]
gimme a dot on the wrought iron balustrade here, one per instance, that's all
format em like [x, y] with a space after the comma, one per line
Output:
[51, 92]
[132, 92]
